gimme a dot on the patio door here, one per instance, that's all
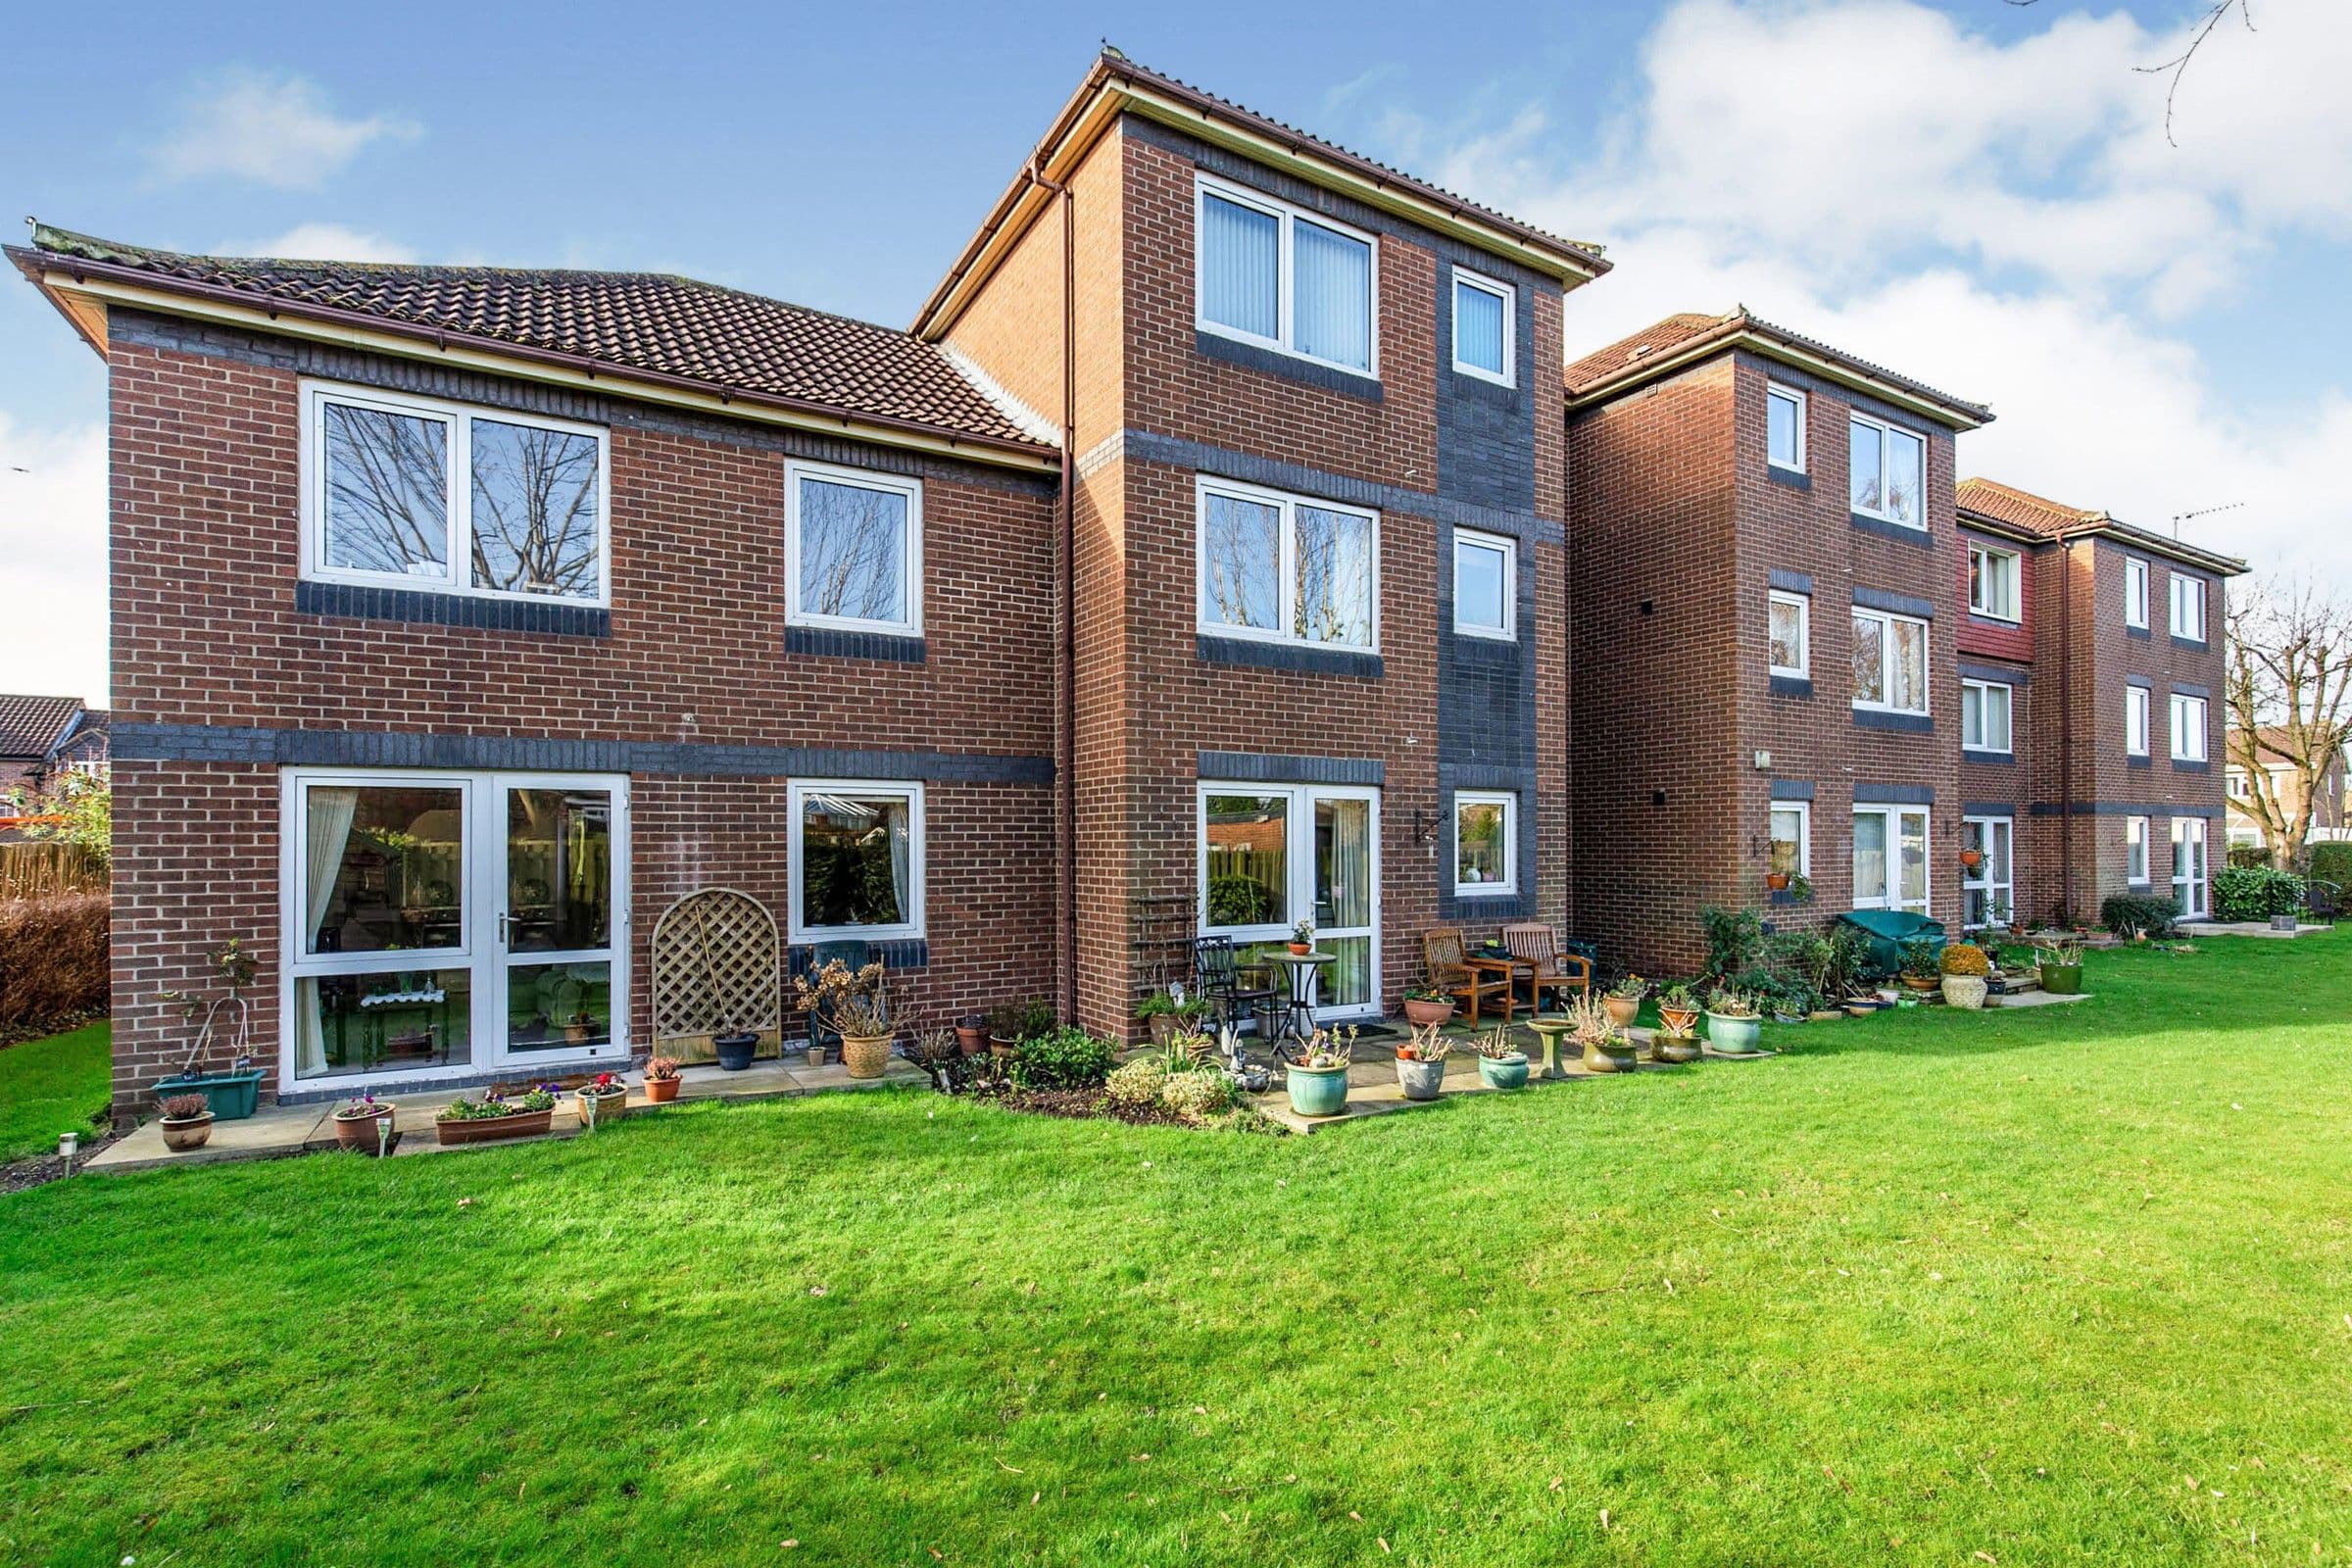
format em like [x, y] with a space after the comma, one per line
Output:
[555, 889]
[1988, 889]
[1272, 854]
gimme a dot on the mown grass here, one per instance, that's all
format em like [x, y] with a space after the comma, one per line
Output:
[52, 1086]
[2059, 1285]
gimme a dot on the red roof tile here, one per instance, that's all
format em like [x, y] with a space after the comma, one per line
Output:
[31, 725]
[2022, 508]
[1622, 361]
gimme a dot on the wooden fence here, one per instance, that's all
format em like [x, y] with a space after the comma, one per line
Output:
[36, 870]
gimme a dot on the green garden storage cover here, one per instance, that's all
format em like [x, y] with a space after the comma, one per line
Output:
[1889, 930]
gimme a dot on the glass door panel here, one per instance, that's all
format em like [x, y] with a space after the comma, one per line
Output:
[555, 933]
[1988, 886]
[1344, 897]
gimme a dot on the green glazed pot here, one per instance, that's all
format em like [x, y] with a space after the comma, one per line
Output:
[1503, 1072]
[1734, 1037]
[2062, 979]
[1318, 1091]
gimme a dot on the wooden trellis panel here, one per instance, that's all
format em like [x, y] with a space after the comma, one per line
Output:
[715, 972]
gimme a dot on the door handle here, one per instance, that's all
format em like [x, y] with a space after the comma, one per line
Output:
[501, 928]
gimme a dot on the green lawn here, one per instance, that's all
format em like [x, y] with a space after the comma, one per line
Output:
[52, 1086]
[2059, 1285]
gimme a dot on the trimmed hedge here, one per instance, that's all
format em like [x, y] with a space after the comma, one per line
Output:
[2255, 893]
[2127, 915]
[53, 970]
[2332, 862]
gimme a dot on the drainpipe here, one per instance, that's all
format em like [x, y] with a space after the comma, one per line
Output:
[1065, 670]
[2066, 726]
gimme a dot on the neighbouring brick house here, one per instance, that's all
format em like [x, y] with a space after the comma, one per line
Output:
[1201, 547]
[42, 738]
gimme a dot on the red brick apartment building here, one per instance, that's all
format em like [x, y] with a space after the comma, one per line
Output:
[1199, 549]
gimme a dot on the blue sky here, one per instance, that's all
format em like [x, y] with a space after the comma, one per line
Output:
[1977, 192]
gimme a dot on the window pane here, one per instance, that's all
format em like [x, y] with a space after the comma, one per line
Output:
[1788, 841]
[1479, 572]
[1331, 295]
[1478, 327]
[559, 870]
[1249, 875]
[1335, 577]
[1479, 843]
[1240, 252]
[1787, 634]
[1996, 718]
[393, 1022]
[387, 492]
[1870, 858]
[1243, 579]
[383, 868]
[558, 1006]
[535, 511]
[1972, 715]
[853, 551]
[1862, 467]
[1781, 416]
[1343, 863]
[1870, 673]
[1913, 886]
[1908, 669]
[855, 860]
[1906, 476]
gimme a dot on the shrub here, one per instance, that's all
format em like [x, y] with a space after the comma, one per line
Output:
[2127, 915]
[1063, 1059]
[2255, 893]
[1965, 958]
[1734, 939]
[2332, 862]
[1198, 1095]
[52, 963]
[1136, 1085]
[2249, 855]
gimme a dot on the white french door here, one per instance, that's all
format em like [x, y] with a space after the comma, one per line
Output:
[1272, 854]
[1891, 858]
[441, 923]
[1988, 889]
[2188, 866]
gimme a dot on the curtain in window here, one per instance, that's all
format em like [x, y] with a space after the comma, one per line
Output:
[326, 831]
[1478, 327]
[1241, 267]
[1909, 674]
[900, 822]
[1331, 295]
[1870, 860]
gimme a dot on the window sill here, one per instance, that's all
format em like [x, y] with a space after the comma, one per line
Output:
[1793, 478]
[1977, 618]
[897, 953]
[1292, 657]
[1905, 723]
[2197, 643]
[1791, 686]
[423, 607]
[1283, 362]
[899, 648]
[1902, 531]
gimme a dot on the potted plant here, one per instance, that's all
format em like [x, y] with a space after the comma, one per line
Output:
[1777, 881]
[1501, 1064]
[1800, 888]
[363, 1122]
[971, 1033]
[1171, 1014]
[236, 1092]
[1923, 967]
[854, 1005]
[187, 1122]
[1625, 998]
[1303, 939]
[661, 1081]
[1677, 1008]
[1318, 1080]
[2061, 965]
[1971, 858]
[736, 1049]
[1421, 1064]
[1427, 1007]
[1593, 1025]
[1965, 967]
[1016, 1021]
[1735, 1026]
[601, 1098]
[495, 1116]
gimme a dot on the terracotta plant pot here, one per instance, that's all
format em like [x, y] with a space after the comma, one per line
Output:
[1001, 1047]
[1299, 950]
[661, 1090]
[187, 1132]
[360, 1132]
[1420, 1080]
[1424, 1013]
[1679, 1020]
[817, 1055]
[597, 1109]
[1778, 881]
[1674, 1048]
[1964, 991]
[493, 1129]
[866, 1056]
[1163, 1028]
[971, 1042]
[1622, 1008]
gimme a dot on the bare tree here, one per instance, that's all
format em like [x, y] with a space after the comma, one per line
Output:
[2288, 686]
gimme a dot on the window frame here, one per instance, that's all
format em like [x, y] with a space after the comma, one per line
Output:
[797, 933]
[1802, 670]
[1927, 660]
[1285, 564]
[1804, 833]
[1508, 548]
[2136, 575]
[2139, 703]
[1509, 886]
[1797, 395]
[1984, 689]
[2176, 584]
[2200, 883]
[2015, 561]
[1886, 429]
[2136, 844]
[911, 563]
[1288, 215]
[457, 418]
[1890, 896]
[1980, 880]
[1508, 293]
[2175, 715]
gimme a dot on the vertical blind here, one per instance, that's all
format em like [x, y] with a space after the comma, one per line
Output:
[1478, 327]
[1331, 295]
[1241, 268]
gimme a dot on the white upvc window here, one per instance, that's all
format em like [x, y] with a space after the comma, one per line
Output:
[1992, 582]
[422, 493]
[1485, 843]
[1485, 329]
[1891, 857]
[1284, 569]
[1784, 427]
[1984, 709]
[2136, 593]
[2135, 850]
[2190, 868]
[1791, 839]
[1789, 634]
[1988, 888]
[2188, 605]
[1886, 471]
[2135, 721]
[1891, 662]
[2238, 784]
[1485, 584]
[854, 851]
[2188, 718]
[853, 550]
[1271, 273]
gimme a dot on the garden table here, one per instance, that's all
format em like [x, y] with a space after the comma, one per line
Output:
[1299, 1023]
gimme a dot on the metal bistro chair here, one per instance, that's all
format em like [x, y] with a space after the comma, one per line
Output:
[1217, 972]
[1536, 947]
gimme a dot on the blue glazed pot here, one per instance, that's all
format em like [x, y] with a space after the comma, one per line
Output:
[1318, 1091]
[1503, 1072]
[1734, 1037]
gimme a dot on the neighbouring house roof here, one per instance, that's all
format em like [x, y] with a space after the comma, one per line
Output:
[1116, 84]
[30, 727]
[2025, 513]
[2271, 743]
[89, 739]
[1666, 346]
[651, 326]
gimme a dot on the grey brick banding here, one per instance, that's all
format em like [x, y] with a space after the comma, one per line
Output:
[1971, 670]
[1987, 808]
[1892, 530]
[2141, 681]
[2182, 688]
[1791, 788]
[832, 642]
[1906, 723]
[339, 748]
[547, 617]
[2120, 808]
[1274, 361]
[1868, 794]
[1287, 655]
[1987, 759]
[906, 953]
[1793, 582]
[1794, 481]
[1269, 767]
[1791, 686]
[1894, 604]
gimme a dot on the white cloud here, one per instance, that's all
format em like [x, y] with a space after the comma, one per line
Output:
[325, 242]
[53, 537]
[273, 131]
